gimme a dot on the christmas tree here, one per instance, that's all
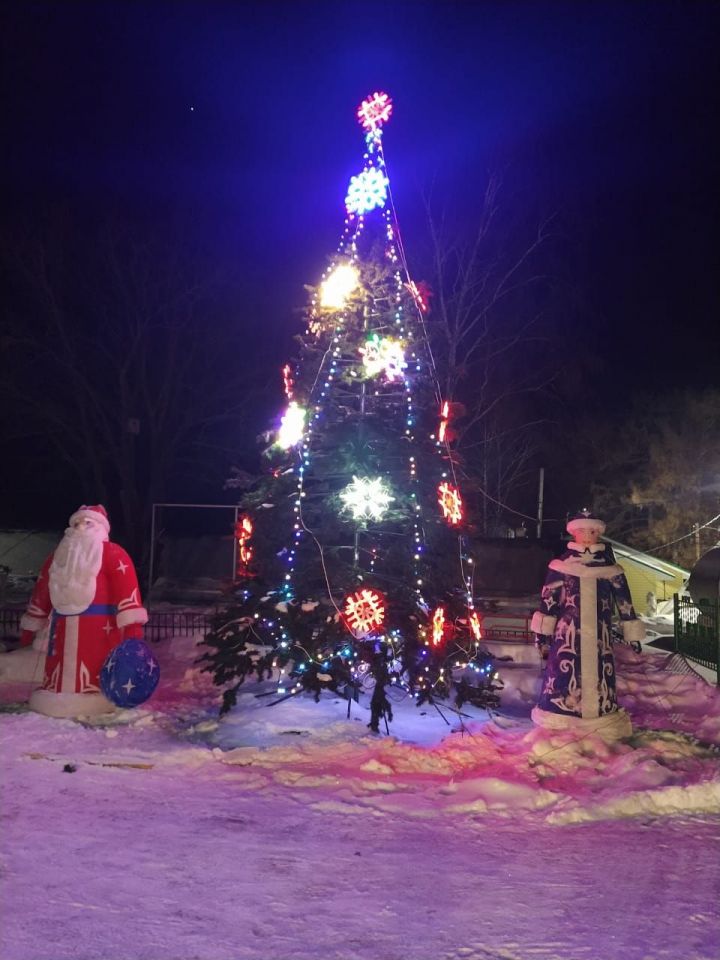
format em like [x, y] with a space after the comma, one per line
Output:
[353, 568]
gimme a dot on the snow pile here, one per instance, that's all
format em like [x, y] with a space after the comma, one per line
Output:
[435, 762]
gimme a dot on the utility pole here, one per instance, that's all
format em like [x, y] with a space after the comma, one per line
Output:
[541, 490]
[696, 528]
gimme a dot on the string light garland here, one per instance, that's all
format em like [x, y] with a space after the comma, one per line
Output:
[444, 418]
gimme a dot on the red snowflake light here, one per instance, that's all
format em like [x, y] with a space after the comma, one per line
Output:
[243, 533]
[364, 612]
[444, 417]
[374, 111]
[450, 503]
[421, 295]
[475, 626]
[438, 626]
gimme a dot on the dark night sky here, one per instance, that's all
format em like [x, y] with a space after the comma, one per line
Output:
[241, 116]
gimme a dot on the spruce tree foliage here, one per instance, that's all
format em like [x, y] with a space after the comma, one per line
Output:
[310, 550]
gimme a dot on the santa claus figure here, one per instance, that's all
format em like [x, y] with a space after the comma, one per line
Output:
[582, 589]
[88, 600]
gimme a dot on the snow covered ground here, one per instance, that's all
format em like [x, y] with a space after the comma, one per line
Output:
[290, 833]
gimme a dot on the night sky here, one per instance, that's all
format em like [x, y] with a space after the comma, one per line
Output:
[240, 117]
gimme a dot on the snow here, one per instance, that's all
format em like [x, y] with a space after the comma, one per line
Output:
[291, 832]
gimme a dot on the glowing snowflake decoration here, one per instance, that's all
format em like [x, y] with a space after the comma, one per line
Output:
[364, 612]
[366, 499]
[383, 355]
[366, 191]
[292, 425]
[438, 626]
[375, 110]
[474, 622]
[450, 503]
[334, 291]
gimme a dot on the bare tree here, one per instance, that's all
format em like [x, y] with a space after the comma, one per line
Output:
[491, 327]
[121, 358]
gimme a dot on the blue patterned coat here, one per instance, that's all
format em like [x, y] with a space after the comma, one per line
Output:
[581, 589]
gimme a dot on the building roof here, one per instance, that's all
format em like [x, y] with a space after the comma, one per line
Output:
[663, 568]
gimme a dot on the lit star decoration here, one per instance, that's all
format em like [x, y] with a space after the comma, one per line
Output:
[374, 111]
[292, 425]
[366, 191]
[438, 626]
[475, 626]
[364, 612]
[334, 291]
[450, 503]
[366, 499]
[383, 355]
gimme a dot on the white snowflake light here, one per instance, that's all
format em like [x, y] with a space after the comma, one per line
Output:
[383, 355]
[292, 425]
[335, 291]
[366, 499]
[366, 191]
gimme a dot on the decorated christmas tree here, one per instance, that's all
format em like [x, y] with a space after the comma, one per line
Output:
[353, 570]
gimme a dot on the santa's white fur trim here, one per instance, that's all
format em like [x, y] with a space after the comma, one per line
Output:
[610, 726]
[633, 630]
[32, 623]
[542, 624]
[66, 705]
[137, 615]
[87, 513]
[592, 547]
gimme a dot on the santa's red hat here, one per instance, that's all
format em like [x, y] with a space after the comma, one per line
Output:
[98, 513]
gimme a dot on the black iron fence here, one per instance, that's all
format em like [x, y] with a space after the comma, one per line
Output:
[172, 623]
[697, 631]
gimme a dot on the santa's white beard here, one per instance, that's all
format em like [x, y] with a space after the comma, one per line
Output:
[74, 569]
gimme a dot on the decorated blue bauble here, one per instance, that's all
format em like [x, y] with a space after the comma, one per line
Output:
[130, 674]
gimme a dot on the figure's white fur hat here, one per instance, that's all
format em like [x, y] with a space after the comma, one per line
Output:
[98, 513]
[583, 520]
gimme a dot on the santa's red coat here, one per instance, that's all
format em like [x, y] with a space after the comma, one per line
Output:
[79, 644]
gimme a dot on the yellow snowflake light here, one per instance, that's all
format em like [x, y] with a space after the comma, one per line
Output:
[450, 503]
[475, 626]
[335, 290]
[367, 499]
[292, 425]
[364, 612]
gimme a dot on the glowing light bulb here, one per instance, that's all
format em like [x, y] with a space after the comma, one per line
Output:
[334, 291]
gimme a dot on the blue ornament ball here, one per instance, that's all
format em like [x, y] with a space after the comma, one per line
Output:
[130, 674]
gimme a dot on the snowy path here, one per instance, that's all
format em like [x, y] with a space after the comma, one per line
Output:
[289, 834]
[152, 867]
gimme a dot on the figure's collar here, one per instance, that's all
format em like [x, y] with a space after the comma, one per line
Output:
[592, 548]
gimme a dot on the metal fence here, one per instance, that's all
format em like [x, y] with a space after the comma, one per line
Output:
[697, 631]
[161, 625]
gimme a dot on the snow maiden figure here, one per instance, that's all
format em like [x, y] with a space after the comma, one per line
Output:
[572, 628]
